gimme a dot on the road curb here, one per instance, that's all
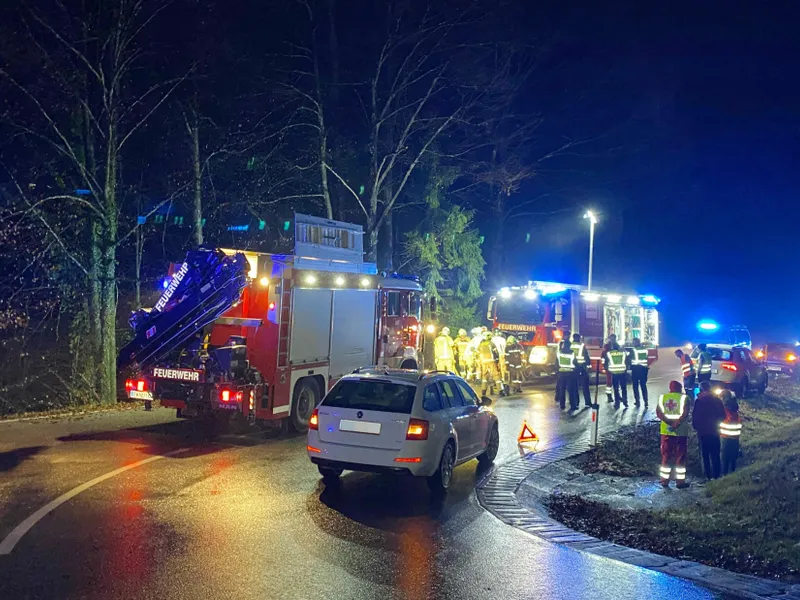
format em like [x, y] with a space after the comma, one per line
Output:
[497, 493]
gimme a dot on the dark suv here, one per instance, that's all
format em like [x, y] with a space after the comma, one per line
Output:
[781, 358]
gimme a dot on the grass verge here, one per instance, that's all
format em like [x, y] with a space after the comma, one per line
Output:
[752, 522]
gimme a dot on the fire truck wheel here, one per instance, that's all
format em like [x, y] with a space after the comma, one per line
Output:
[305, 399]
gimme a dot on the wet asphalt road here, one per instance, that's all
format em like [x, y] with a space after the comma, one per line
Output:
[248, 518]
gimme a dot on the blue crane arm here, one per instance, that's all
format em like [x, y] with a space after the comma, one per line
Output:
[208, 283]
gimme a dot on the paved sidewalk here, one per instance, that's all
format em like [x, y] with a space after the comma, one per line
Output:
[497, 493]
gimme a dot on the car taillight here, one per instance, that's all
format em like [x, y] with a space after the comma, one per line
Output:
[417, 429]
[729, 367]
[313, 422]
[130, 384]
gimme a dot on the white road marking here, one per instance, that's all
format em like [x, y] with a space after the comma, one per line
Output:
[7, 545]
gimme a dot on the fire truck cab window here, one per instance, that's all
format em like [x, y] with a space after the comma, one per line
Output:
[415, 304]
[396, 304]
[392, 304]
[518, 310]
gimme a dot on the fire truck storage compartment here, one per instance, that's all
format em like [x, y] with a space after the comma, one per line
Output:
[311, 326]
[353, 331]
[335, 325]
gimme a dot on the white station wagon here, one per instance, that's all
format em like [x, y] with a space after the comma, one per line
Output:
[399, 421]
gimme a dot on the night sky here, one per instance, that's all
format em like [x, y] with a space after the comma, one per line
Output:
[697, 179]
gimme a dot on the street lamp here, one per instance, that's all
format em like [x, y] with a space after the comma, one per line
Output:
[592, 222]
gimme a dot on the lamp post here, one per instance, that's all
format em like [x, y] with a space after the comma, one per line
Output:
[592, 222]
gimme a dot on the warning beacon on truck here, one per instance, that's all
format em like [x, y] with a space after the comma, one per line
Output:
[539, 313]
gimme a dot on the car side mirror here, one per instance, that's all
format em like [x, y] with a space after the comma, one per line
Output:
[486, 401]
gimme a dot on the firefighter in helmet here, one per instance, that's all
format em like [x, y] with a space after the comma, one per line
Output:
[514, 353]
[443, 351]
[500, 344]
[488, 357]
[475, 364]
[463, 354]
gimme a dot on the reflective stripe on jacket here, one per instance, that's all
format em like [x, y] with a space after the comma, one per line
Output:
[443, 347]
[639, 357]
[703, 363]
[566, 360]
[687, 368]
[672, 406]
[577, 350]
[616, 362]
[731, 427]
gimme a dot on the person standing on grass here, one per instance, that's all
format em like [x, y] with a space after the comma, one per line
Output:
[729, 431]
[673, 412]
[707, 415]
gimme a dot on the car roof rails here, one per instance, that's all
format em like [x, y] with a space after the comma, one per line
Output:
[428, 372]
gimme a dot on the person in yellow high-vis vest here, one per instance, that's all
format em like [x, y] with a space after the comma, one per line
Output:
[616, 364]
[443, 351]
[463, 353]
[640, 366]
[673, 412]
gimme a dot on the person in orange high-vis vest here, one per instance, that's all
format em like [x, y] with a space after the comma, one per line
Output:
[730, 431]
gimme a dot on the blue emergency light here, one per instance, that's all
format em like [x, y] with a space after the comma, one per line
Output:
[707, 325]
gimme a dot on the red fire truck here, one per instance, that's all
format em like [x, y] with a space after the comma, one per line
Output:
[267, 335]
[539, 313]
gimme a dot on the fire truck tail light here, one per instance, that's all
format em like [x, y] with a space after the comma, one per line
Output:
[313, 422]
[417, 430]
[729, 367]
[140, 385]
[227, 395]
[129, 384]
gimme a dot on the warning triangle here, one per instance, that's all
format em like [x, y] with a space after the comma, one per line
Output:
[527, 434]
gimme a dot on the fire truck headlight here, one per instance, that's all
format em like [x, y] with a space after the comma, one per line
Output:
[431, 328]
[539, 356]
[530, 294]
[505, 293]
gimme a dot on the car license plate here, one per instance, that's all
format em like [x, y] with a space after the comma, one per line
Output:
[360, 427]
[137, 395]
[778, 369]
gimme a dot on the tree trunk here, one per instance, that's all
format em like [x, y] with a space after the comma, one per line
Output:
[95, 288]
[496, 252]
[108, 312]
[197, 206]
[333, 48]
[386, 237]
[371, 240]
[137, 300]
[323, 132]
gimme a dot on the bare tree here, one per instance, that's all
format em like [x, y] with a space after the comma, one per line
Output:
[86, 56]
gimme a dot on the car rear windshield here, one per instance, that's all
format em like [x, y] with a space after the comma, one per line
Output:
[781, 347]
[719, 354]
[370, 394]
